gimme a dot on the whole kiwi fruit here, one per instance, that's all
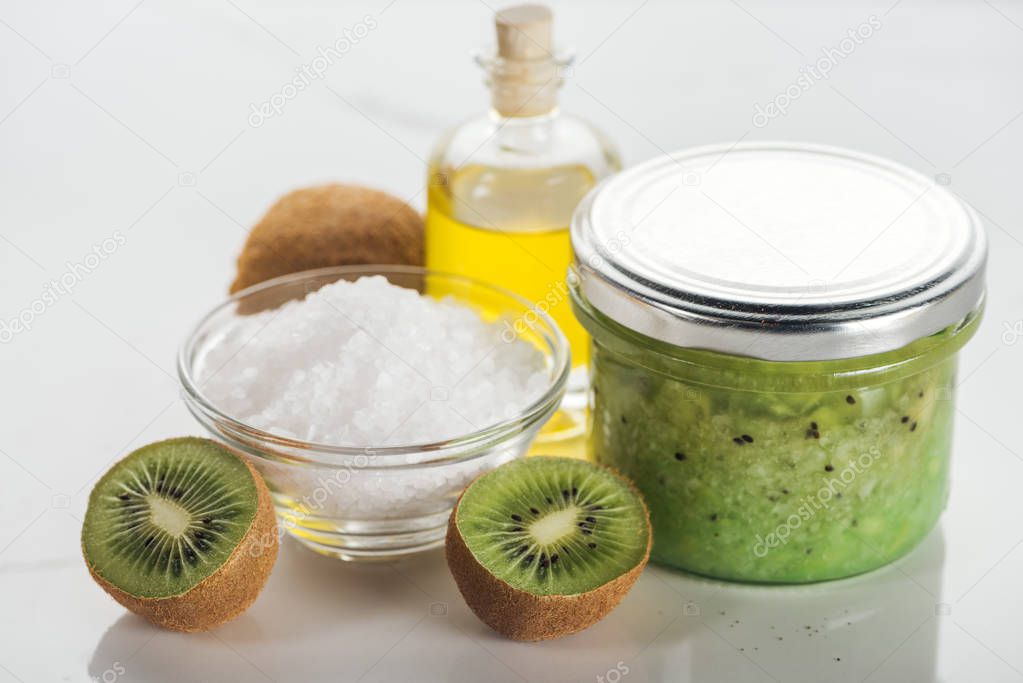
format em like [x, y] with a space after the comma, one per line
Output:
[181, 532]
[330, 225]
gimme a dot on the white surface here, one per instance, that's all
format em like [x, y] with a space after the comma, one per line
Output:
[133, 119]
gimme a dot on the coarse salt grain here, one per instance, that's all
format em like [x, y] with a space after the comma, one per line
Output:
[371, 364]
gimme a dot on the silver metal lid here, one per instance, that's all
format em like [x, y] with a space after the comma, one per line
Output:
[779, 251]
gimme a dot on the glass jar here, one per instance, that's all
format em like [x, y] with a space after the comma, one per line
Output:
[775, 330]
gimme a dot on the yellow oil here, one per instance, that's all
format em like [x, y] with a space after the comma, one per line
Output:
[509, 227]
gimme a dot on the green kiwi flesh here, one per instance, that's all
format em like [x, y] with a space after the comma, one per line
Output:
[552, 526]
[168, 516]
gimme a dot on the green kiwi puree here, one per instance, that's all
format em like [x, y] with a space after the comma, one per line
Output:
[777, 472]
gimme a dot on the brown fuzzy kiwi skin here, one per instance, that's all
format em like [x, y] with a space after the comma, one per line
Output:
[330, 225]
[227, 592]
[519, 615]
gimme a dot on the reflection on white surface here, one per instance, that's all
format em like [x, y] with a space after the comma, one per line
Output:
[332, 621]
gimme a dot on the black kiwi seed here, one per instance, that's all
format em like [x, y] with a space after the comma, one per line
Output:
[575, 491]
[124, 496]
[202, 545]
[592, 545]
[829, 468]
[680, 455]
[850, 400]
[554, 558]
[912, 427]
[517, 518]
[564, 494]
[550, 502]
[516, 528]
[534, 511]
[738, 440]
[905, 419]
[587, 532]
[747, 438]
[591, 519]
[190, 555]
[813, 426]
[207, 520]
[530, 558]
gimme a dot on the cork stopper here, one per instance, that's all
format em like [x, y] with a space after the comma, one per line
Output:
[524, 77]
[524, 32]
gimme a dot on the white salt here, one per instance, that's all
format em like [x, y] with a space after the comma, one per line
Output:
[371, 364]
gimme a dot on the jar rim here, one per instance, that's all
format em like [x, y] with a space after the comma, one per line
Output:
[712, 367]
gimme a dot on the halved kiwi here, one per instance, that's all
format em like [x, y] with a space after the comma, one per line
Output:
[544, 546]
[182, 532]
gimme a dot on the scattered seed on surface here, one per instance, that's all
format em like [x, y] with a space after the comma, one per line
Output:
[534, 511]
[829, 468]
[680, 456]
[714, 517]
[747, 438]
[739, 440]
[850, 400]
[905, 419]
[912, 427]
[517, 518]
[813, 426]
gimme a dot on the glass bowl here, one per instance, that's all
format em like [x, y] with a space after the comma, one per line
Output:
[374, 501]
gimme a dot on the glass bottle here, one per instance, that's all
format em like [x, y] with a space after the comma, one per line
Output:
[503, 186]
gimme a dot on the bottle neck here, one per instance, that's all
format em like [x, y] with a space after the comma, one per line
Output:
[521, 88]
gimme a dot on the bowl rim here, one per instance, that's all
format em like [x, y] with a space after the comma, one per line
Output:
[558, 350]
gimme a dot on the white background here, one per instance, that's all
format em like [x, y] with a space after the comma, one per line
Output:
[133, 119]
